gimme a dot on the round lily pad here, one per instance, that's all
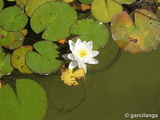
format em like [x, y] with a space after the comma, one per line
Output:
[1, 4]
[139, 36]
[18, 59]
[55, 19]
[29, 102]
[86, 1]
[46, 60]
[91, 30]
[104, 10]
[33, 4]
[13, 19]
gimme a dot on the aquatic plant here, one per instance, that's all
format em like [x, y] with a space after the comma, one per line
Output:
[35, 34]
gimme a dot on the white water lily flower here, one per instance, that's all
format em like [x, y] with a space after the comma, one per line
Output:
[81, 55]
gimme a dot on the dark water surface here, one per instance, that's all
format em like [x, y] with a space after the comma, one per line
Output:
[131, 84]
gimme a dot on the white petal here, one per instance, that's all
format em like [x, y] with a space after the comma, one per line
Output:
[82, 65]
[65, 56]
[94, 53]
[73, 64]
[90, 45]
[92, 61]
[71, 56]
[71, 45]
[78, 42]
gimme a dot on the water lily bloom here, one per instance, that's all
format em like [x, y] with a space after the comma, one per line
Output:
[81, 54]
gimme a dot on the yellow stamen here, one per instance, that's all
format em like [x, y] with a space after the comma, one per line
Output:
[83, 53]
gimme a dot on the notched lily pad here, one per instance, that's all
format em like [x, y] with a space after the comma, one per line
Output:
[55, 19]
[104, 10]
[13, 19]
[21, 3]
[136, 36]
[29, 102]
[18, 59]
[91, 30]
[46, 60]
[5, 65]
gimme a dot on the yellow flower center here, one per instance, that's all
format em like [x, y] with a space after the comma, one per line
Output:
[82, 53]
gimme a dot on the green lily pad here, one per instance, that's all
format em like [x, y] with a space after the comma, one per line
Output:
[18, 39]
[104, 10]
[91, 30]
[5, 65]
[45, 61]
[18, 59]
[1, 4]
[55, 19]
[140, 36]
[21, 3]
[13, 19]
[86, 1]
[33, 4]
[29, 102]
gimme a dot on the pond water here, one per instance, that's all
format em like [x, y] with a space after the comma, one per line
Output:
[121, 83]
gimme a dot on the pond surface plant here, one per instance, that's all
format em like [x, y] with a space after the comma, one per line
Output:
[37, 36]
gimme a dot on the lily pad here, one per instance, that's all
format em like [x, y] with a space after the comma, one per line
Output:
[91, 30]
[19, 38]
[29, 102]
[5, 65]
[33, 4]
[86, 1]
[104, 10]
[18, 59]
[45, 61]
[1, 4]
[55, 19]
[21, 3]
[13, 19]
[139, 36]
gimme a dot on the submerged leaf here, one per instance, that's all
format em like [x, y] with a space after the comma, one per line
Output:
[13, 19]
[45, 61]
[18, 59]
[29, 102]
[55, 19]
[91, 30]
[139, 36]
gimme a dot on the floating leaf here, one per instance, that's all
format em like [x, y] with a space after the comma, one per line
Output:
[5, 65]
[68, 1]
[13, 19]
[45, 61]
[91, 30]
[139, 36]
[104, 10]
[1, 4]
[18, 59]
[29, 102]
[33, 4]
[21, 3]
[86, 1]
[19, 38]
[55, 18]
[12, 40]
